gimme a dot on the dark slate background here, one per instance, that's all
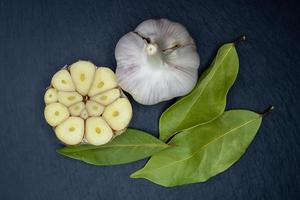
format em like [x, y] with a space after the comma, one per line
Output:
[39, 37]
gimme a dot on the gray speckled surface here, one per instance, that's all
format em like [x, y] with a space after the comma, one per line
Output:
[38, 37]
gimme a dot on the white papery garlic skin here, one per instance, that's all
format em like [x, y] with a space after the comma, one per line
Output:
[77, 98]
[157, 62]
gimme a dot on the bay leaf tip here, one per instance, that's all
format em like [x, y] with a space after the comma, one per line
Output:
[136, 174]
[61, 151]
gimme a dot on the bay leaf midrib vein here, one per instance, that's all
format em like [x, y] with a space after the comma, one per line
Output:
[123, 146]
[195, 152]
[201, 91]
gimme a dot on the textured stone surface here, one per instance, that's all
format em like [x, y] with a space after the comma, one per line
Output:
[38, 37]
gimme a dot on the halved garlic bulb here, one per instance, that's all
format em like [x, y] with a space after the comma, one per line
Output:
[76, 100]
[157, 61]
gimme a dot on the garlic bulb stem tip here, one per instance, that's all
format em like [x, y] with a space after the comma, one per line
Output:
[151, 49]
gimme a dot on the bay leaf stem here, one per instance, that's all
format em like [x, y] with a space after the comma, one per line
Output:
[240, 39]
[267, 111]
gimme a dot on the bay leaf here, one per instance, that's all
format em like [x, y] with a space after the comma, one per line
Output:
[207, 101]
[130, 146]
[203, 151]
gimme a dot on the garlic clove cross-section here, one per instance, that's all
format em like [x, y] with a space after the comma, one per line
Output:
[62, 81]
[56, 113]
[69, 98]
[76, 109]
[50, 96]
[82, 73]
[98, 131]
[94, 109]
[157, 61]
[118, 114]
[75, 104]
[70, 131]
[105, 79]
[84, 114]
[108, 97]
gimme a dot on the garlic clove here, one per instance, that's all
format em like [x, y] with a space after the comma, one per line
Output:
[157, 62]
[185, 58]
[94, 109]
[76, 109]
[129, 52]
[62, 81]
[108, 97]
[97, 131]
[71, 131]
[84, 114]
[105, 79]
[82, 73]
[69, 98]
[118, 114]
[56, 113]
[50, 96]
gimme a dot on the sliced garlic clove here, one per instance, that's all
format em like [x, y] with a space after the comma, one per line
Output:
[69, 98]
[108, 97]
[76, 109]
[50, 96]
[118, 114]
[105, 79]
[97, 131]
[62, 81]
[82, 73]
[94, 109]
[71, 131]
[56, 113]
[84, 114]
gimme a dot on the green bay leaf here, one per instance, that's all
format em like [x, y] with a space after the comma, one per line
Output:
[203, 151]
[207, 101]
[131, 146]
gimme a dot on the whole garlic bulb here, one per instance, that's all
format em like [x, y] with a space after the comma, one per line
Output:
[157, 61]
[84, 104]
